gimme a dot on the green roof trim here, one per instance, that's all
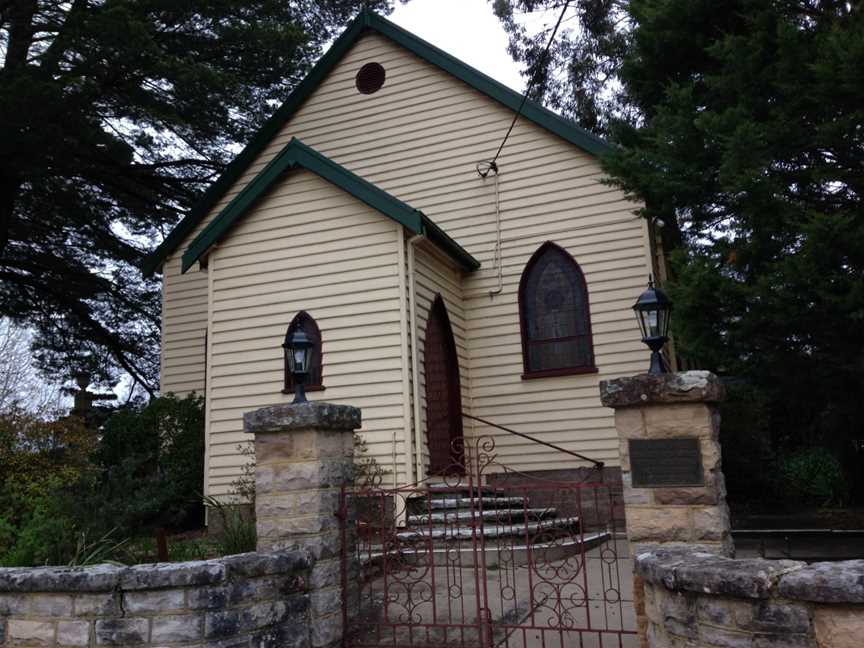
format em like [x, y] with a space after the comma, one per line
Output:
[366, 21]
[297, 155]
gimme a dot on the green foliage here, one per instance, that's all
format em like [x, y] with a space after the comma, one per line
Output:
[114, 118]
[237, 531]
[41, 464]
[748, 455]
[71, 496]
[44, 533]
[814, 476]
[151, 465]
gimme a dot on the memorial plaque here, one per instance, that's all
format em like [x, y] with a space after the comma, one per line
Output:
[657, 463]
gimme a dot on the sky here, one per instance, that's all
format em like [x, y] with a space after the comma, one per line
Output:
[467, 29]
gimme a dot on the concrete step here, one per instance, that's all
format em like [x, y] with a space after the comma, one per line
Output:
[501, 515]
[467, 531]
[460, 489]
[510, 553]
[455, 502]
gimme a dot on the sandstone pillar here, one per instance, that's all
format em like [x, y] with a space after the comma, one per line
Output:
[304, 455]
[672, 423]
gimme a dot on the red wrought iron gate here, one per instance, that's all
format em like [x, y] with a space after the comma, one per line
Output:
[489, 558]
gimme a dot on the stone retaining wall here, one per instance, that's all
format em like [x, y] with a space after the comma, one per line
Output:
[703, 600]
[251, 600]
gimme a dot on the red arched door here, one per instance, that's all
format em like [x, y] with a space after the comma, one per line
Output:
[443, 394]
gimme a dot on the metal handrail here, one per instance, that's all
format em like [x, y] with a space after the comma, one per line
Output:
[597, 464]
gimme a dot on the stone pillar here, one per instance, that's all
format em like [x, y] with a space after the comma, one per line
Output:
[304, 455]
[682, 408]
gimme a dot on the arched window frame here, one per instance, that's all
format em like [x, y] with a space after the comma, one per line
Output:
[311, 327]
[529, 373]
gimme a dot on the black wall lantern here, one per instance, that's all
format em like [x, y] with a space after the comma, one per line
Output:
[653, 312]
[299, 349]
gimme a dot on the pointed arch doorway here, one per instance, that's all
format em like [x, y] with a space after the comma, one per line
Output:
[443, 393]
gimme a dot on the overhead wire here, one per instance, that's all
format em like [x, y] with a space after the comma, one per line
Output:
[540, 64]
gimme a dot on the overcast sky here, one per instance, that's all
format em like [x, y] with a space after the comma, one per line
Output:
[467, 29]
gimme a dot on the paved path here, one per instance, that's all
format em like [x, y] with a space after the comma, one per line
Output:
[530, 607]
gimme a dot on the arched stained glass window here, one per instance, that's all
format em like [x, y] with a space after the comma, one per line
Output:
[554, 315]
[304, 321]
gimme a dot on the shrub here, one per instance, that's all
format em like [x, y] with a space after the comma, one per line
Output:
[238, 533]
[814, 476]
[45, 534]
[748, 458]
[151, 464]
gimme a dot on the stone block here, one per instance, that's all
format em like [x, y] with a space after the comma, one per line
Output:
[839, 627]
[326, 631]
[280, 478]
[658, 524]
[710, 523]
[325, 602]
[711, 455]
[121, 632]
[298, 503]
[322, 547]
[73, 633]
[97, 578]
[165, 575]
[635, 496]
[678, 421]
[286, 635]
[222, 624]
[783, 640]
[264, 614]
[158, 601]
[685, 496]
[30, 633]
[174, 628]
[705, 573]
[781, 617]
[629, 423]
[647, 389]
[725, 612]
[826, 582]
[288, 527]
[302, 445]
[326, 573]
[93, 605]
[724, 638]
[252, 564]
[311, 415]
[36, 604]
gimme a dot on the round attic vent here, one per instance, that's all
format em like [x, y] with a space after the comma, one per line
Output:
[370, 78]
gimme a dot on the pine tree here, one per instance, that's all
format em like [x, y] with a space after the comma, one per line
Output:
[114, 116]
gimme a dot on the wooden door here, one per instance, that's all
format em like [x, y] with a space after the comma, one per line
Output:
[443, 394]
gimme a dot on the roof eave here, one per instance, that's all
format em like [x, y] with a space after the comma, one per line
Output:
[366, 19]
[296, 154]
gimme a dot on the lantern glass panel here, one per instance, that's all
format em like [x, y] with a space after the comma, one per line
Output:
[300, 363]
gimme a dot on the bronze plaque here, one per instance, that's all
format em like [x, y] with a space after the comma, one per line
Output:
[657, 463]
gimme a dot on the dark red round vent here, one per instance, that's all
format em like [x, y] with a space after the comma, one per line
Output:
[370, 78]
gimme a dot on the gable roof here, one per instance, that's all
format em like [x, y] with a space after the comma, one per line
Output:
[364, 22]
[297, 155]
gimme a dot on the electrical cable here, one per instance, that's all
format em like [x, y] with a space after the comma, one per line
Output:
[541, 62]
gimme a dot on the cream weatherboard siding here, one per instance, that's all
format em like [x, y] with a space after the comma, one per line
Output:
[184, 329]
[435, 275]
[306, 246]
[419, 138]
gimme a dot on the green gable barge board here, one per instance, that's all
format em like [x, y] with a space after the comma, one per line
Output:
[366, 21]
[297, 155]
